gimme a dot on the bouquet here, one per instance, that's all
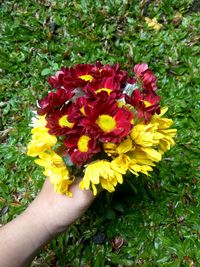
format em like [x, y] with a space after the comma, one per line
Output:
[99, 123]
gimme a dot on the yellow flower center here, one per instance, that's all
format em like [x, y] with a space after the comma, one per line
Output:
[83, 143]
[82, 110]
[106, 123]
[87, 78]
[63, 122]
[104, 90]
[146, 103]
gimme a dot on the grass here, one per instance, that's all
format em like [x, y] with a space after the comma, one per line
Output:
[156, 217]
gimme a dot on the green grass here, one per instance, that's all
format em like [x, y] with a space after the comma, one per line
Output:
[158, 216]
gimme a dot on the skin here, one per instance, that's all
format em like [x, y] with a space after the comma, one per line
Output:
[47, 216]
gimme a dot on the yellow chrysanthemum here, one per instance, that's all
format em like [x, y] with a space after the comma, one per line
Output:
[56, 170]
[41, 139]
[166, 135]
[102, 172]
[145, 145]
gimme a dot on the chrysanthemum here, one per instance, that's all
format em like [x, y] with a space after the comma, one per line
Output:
[146, 104]
[99, 72]
[41, 139]
[107, 121]
[127, 156]
[63, 121]
[81, 148]
[146, 76]
[70, 78]
[102, 173]
[166, 140]
[56, 170]
[144, 146]
[53, 101]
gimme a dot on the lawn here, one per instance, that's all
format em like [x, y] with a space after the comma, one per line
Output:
[148, 221]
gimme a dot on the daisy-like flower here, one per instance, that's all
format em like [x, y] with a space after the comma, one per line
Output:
[166, 140]
[41, 139]
[107, 121]
[81, 148]
[146, 104]
[101, 172]
[146, 76]
[70, 78]
[107, 86]
[144, 146]
[57, 171]
[99, 72]
[64, 121]
[53, 101]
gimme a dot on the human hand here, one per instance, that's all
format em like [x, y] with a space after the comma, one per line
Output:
[55, 211]
[48, 215]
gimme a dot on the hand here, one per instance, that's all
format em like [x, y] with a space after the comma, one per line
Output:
[48, 215]
[57, 211]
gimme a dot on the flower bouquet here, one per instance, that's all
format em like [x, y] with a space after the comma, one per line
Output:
[99, 123]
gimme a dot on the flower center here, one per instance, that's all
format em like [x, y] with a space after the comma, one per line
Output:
[87, 78]
[83, 143]
[106, 123]
[63, 122]
[146, 103]
[104, 90]
[82, 110]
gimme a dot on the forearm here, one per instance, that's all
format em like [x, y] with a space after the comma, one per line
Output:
[21, 239]
[47, 216]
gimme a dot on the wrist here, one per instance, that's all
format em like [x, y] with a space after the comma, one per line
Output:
[40, 232]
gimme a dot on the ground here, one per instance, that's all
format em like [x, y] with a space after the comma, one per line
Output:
[148, 221]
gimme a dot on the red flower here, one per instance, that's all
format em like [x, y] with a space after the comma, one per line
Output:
[139, 69]
[146, 104]
[107, 86]
[149, 81]
[64, 121]
[101, 71]
[81, 148]
[106, 121]
[53, 101]
[146, 76]
[70, 78]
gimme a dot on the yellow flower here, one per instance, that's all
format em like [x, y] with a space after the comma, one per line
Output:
[102, 172]
[153, 23]
[41, 139]
[56, 170]
[166, 135]
[145, 145]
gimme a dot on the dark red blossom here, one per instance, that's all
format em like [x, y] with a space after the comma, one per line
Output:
[101, 71]
[81, 147]
[70, 78]
[53, 101]
[64, 121]
[106, 121]
[149, 81]
[146, 77]
[145, 104]
[107, 86]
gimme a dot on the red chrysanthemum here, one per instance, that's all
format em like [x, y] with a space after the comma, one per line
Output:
[64, 121]
[53, 101]
[106, 121]
[146, 104]
[70, 78]
[81, 148]
[146, 76]
[100, 71]
[107, 86]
